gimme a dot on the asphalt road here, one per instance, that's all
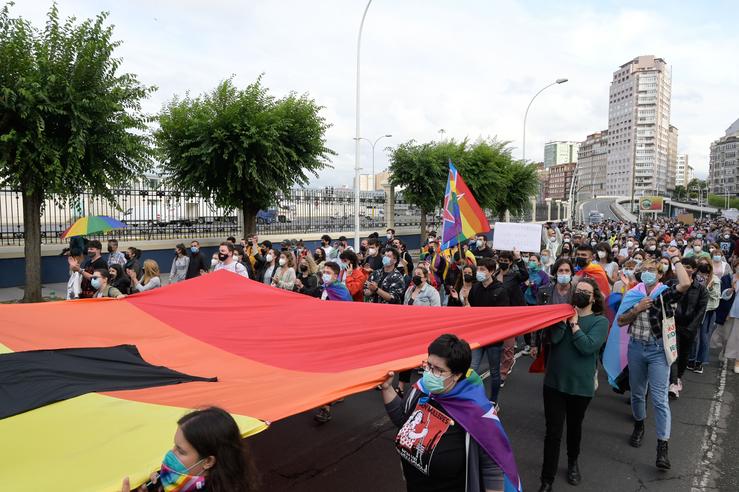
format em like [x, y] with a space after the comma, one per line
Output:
[354, 452]
[602, 205]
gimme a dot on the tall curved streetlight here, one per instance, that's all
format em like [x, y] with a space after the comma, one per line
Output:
[558, 81]
[356, 137]
[372, 144]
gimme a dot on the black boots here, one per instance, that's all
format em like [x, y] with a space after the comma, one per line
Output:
[573, 473]
[638, 434]
[663, 462]
[545, 487]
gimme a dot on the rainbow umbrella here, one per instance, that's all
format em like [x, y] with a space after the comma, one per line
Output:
[91, 225]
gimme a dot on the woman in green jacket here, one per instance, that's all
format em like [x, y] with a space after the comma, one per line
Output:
[569, 382]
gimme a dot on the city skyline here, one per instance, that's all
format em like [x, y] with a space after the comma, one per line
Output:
[428, 66]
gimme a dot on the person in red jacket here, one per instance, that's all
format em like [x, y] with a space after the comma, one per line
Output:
[353, 277]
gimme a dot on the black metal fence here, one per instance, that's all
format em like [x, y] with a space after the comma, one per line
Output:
[153, 211]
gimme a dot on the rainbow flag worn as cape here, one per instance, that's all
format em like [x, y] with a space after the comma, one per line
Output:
[337, 292]
[597, 273]
[462, 217]
[468, 405]
[616, 351]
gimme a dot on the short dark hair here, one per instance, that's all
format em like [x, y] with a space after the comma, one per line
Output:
[113, 241]
[585, 247]
[326, 237]
[342, 238]
[432, 233]
[350, 256]
[95, 244]
[395, 252]
[390, 229]
[372, 241]
[231, 239]
[455, 351]
[333, 266]
[195, 241]
[228, 244]
[182, 248]
[505, 255]
[689, 261]
[487, 263]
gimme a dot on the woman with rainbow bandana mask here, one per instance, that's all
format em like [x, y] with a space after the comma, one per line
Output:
[208, 455]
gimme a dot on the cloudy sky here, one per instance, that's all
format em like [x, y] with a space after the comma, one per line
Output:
[467, 67]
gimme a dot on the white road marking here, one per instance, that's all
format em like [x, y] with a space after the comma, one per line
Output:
[710, 445]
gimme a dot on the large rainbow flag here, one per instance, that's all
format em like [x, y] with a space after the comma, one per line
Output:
[264, 346]
[462, 217]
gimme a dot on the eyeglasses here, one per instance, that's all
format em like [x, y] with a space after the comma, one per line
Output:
[586, 292]
[436, 371]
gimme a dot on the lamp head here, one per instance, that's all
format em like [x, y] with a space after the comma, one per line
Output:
[561, 81]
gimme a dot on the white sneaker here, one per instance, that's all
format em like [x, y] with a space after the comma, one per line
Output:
[674, 392]
[526, 350]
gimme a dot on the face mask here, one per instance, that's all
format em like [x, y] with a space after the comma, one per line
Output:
[697, 249]
[213, 262]
[269, 258]
[663, 268]
[481, 277]
[699, 236]
[649, 278]
[435, 384]
[651, 248]
[174, 477]
[533, 266]
[373, 251]
[389, 236]
[469, 278]
[593, 243]
[326, 278]
[638, 261]
[480, 243]
[504, 266]
[629, 244]
[564, 279]
[343, 265]
[554, 239]
[544, 258]
[110, 249]
[602, 255]
[222, 256]
[194, 249]
[701, 278]
[580, 299]
[303, 268]
[417, 280]
[567, 240]
[717, 258]
[127, 256]
[726, 236]
[629, 273]
[92, 253]
[386, 261]
[581, 262]
[95, 283]
[282, 261]
[363, 248]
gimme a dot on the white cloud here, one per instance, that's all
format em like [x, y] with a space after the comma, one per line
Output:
[467, 67]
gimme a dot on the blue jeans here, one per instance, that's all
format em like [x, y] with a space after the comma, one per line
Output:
[493, 354]
[648, 366]
[700, 345]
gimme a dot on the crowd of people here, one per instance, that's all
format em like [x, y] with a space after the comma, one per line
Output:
[635, 277]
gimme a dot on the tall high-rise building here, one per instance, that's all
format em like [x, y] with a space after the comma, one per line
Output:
[723, 167]
[560, 152]
[683, 173]
[559, 181]
[638, 127]
[671, 157]
[592, 160]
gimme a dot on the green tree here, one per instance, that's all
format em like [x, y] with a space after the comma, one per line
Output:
[498, 183]
[679, 192]
[240, 147]
[69, 119]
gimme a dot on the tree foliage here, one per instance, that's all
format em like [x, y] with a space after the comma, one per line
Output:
[69, 119]
[498, 183]
[240, 147]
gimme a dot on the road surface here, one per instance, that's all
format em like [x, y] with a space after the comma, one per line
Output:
[602, 205]
[354, 452]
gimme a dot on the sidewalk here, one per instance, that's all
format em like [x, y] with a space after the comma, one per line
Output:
[48, 291]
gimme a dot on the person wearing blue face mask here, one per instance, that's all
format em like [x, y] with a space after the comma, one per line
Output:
[439, 447]
[208, 456]
[557, 292]
[647, 362]
[488, 292]
[100, 282]
[198, 264]
[386, 286]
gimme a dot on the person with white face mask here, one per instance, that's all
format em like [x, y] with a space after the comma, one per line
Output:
[284, 277]
[551, 239]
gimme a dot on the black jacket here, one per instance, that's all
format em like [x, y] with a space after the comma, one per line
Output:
[494, 294]
[512, 281]
[310, 284]
[690, 309]
[197, 263]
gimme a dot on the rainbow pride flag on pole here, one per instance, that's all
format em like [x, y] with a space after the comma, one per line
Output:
[462, 217]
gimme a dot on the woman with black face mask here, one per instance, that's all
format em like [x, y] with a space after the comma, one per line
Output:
[569, 382]
[459, 293]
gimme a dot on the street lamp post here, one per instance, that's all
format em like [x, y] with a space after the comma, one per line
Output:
[372, 144]
[356, 139]
[526, 115]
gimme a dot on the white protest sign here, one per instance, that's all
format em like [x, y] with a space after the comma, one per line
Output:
[525, 237]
